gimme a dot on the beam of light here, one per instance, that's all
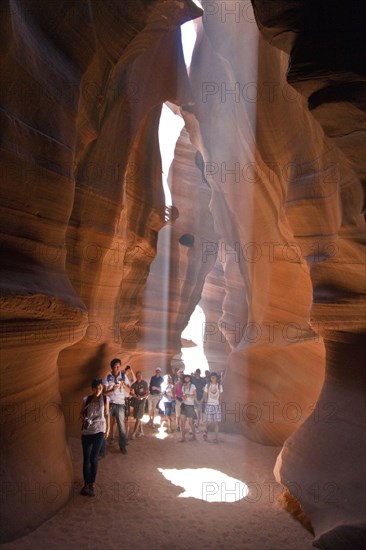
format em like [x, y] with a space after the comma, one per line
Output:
[170, 127]
[194, 357]
[206, 484]
[189, 37]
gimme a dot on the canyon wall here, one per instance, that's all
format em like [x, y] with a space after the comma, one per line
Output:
[286, 166]
[82, 203]
[327, 66]
[265, 231]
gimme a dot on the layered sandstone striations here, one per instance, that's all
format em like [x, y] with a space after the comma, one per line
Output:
[178, 271]
[327, 65]
[82, 203]
[261, 174]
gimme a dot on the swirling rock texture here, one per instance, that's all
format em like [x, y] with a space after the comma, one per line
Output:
[178, 271]
[288, 201]
[247, 131]
[82, 203]
[327, 65]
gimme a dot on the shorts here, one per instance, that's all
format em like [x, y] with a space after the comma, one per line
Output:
[153, 401]
[187, 410]
[139, 409]
[213, 413]
[198, 403]
[168, 408]
[127, 407]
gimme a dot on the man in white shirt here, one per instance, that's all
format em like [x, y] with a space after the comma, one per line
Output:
[117, 391]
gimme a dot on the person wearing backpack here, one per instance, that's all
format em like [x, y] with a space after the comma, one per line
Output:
[117, 391]
[95, 428]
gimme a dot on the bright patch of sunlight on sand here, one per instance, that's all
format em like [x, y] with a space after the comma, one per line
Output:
[206, 484]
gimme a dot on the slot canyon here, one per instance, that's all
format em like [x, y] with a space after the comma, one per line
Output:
[264, 231]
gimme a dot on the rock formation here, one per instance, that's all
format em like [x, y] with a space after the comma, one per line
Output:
[327, 454]
[281, 186]
[265, 229]
[82, 203]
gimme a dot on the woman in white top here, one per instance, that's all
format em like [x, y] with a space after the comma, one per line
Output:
[187, 407]
[95, 416]
[168, 398]
[212, 397]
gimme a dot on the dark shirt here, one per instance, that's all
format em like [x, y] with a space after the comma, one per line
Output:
[156, 381]
[140, 388]
[200, 384]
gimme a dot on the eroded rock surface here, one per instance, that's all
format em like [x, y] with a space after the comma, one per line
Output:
[281, 186]
[265, 228]
[82, 203]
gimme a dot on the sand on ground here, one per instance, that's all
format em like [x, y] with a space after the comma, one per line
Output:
[159, 496]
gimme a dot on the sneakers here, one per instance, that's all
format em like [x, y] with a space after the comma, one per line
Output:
[140, 434]
[88, 490]
[111, 441]
[85, 491]
[123, 450]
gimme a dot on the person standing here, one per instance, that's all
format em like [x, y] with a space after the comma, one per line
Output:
[95, 416]
[139, 393]
[187, 407]
[117, 391]
[156, 382]
[130, 378]
[200, 383]
[178, 395]
[212, 396]
[168, 398]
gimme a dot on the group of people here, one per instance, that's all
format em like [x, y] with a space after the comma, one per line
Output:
[188, 397]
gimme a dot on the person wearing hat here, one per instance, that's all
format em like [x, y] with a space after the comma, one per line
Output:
[95, 428]
[154, 394]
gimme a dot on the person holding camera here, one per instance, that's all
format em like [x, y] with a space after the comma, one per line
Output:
[168, 399]
[187, 407]
[154, 397]
[140, 392]
[114, 386]
[95, 428]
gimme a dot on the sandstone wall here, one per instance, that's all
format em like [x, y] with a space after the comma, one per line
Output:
[280, 185]
[278, 264]
[327, 65]
[82, 203]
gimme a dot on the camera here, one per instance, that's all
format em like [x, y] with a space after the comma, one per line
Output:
[87, 422]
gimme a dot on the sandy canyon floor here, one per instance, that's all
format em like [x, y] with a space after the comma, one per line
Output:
[161, 496]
